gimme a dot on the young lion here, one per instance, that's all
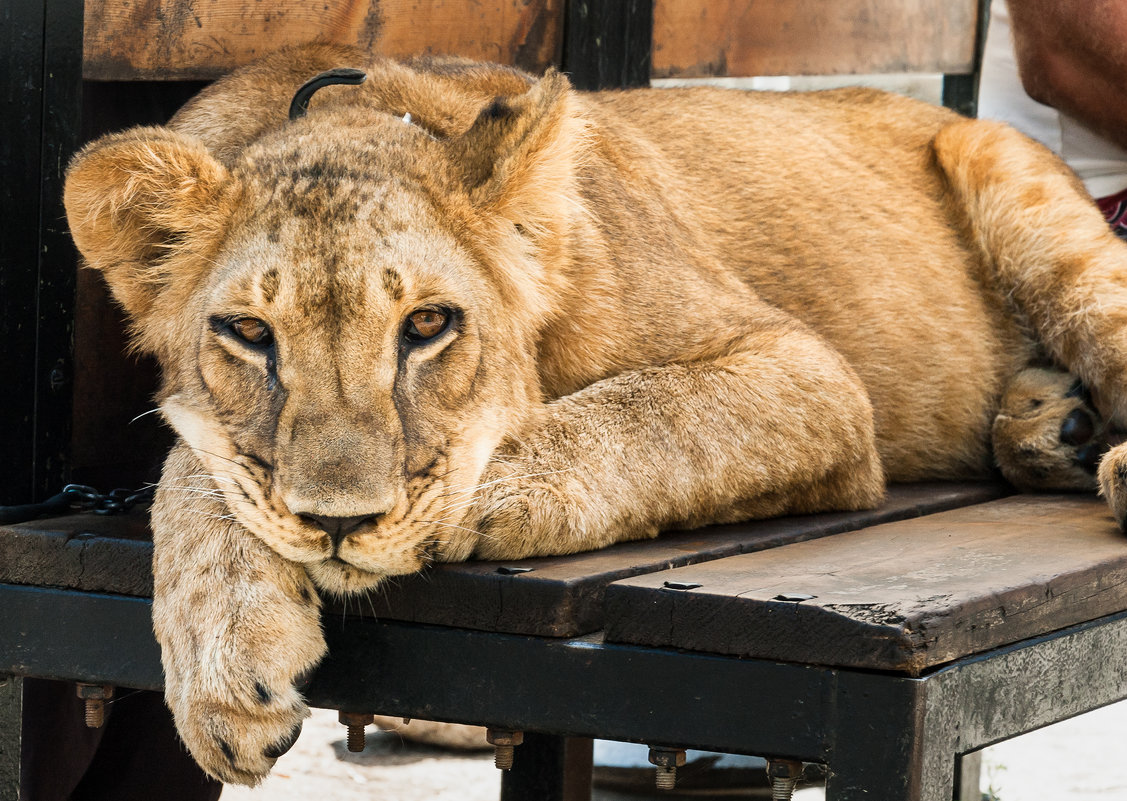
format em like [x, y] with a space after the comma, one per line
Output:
[457, 311]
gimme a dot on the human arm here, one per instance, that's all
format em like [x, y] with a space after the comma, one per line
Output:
[1071, 55]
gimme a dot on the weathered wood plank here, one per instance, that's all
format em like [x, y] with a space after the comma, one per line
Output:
[903, 596]
[200, 39]
[812, 37]
[563, 596]
[558, 596]
[96, 553]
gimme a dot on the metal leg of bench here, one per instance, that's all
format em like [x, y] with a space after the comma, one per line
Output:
[11, 723]
[549, 768]
[883, 748]
[968, 777]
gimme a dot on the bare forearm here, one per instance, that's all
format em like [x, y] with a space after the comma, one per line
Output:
[1071, 55]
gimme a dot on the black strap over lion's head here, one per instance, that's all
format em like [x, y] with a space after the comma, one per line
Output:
[346, 75]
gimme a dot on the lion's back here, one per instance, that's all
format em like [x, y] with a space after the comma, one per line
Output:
[831, 206]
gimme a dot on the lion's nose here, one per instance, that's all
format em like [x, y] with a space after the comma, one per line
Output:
[339, 527]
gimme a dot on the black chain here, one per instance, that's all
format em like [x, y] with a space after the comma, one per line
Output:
[78, 497]
[116, 501]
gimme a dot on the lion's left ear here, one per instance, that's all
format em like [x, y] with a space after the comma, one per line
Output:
[519, 156]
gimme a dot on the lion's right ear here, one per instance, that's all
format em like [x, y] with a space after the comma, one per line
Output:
[140, 205]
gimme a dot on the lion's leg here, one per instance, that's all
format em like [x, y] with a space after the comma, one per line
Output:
[1047, 249]
[237, 625]
[783, 425]
[1047, 434]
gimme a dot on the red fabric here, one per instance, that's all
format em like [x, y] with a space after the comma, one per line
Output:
[1114, 208]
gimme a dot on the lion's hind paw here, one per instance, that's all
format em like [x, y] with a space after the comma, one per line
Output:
[1047, 434]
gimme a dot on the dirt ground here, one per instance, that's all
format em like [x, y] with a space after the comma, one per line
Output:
[1078, 760]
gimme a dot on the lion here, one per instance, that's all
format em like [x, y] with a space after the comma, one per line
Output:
[459, 311]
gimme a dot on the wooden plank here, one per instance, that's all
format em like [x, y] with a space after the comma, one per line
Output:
[903, 596]
[563, 596]
[812, 37]
[96, 553]
[200, 39]
[559, 596]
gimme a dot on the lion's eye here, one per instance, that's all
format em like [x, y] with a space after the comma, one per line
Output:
[426, 324]
[251, 331]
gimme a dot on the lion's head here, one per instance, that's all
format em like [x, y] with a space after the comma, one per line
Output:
[346, 306]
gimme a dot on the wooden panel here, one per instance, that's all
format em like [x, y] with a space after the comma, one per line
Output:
[558, 596]
[97, 553]
[563, 596]
[812, 37]
[903, 596]
[185, 39]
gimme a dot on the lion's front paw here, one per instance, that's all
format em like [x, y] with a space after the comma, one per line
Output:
[1113, 482]
[525, 515]
[235, 661]
[237, 732]
[1048, 435]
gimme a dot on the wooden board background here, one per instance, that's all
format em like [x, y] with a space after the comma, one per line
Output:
[200, 39]
[812, 37]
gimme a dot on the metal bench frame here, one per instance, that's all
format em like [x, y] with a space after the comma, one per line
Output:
[882, 736]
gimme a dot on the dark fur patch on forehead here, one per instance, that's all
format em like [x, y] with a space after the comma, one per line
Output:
[268, 285]
[392, 284]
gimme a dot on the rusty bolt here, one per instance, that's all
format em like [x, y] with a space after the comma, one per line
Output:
[784, 775]
[667, 760]
[95, 696]
[355, 721]
[503, 742]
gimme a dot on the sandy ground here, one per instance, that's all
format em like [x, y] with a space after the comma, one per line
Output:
[1078, 760]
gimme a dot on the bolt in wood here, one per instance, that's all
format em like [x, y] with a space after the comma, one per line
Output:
[784, 775]
[504, 743]
[95, 697]
[355, 721]
[666, 760]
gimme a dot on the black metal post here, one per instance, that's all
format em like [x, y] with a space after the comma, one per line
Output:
[960, 92]
[58, 261]
[21, 109]
[608, 43]
[11, 710]
[878, 754]
[549, 768]
[40, 100]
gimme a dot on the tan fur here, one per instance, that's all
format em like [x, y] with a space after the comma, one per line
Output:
[673, 308]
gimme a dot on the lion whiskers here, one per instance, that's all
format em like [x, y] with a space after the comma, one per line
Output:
[144, 414]
[452, 525]
[503, 479]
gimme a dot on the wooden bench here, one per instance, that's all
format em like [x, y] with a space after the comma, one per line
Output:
[882, 644]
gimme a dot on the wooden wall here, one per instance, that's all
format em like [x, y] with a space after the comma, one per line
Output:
[197, 39]
[812, 37]
[201, 39]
